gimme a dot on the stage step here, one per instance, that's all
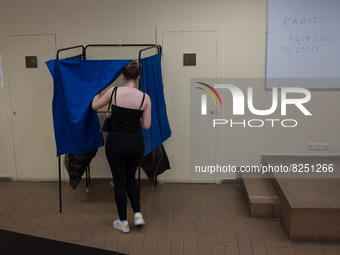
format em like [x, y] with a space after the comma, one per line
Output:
[261, 197]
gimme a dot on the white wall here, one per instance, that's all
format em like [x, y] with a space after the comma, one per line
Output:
[135, 21]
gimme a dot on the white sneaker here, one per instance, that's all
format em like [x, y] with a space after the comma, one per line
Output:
[122, 226]
[139, 219]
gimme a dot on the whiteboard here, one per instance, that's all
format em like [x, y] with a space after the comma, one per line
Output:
[303, 44]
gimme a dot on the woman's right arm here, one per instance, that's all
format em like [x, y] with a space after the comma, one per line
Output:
[145, 121]
[99, 101]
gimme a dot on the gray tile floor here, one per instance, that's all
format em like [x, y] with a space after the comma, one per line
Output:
[180, 219]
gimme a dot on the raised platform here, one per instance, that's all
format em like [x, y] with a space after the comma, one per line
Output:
[308, 207]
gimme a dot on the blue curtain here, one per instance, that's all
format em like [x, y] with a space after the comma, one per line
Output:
[76, 82]
[152, 84]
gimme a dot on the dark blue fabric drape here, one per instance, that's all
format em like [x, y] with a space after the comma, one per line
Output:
[152, 84]
[76, 82]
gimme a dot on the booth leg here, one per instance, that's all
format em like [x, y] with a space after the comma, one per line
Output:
[88, 178]
[60, 202]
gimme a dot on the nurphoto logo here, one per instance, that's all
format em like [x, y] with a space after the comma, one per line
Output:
[300, 97]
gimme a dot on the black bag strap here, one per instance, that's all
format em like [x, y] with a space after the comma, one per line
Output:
[115, 92]
[110, 103]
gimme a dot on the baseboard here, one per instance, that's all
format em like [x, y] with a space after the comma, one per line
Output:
[5, 179]
[231, 181]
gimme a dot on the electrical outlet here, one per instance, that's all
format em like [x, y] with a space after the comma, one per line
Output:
[325, 146]
[311, 146]
[319, 146]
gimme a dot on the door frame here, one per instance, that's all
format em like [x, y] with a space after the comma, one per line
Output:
[7, 99]
[219, 30]
[201, 28]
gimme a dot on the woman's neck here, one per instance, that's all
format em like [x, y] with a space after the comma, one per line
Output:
[131, 84]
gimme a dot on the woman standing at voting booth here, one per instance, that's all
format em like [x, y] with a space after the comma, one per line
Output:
[131, 111]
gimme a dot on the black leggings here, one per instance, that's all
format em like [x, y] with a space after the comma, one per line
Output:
[124, 152]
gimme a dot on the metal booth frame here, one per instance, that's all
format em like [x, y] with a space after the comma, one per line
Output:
[83, 56]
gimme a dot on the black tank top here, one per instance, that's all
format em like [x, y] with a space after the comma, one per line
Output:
[125, 119]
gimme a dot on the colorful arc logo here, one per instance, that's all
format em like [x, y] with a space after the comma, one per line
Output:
[204, 97]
